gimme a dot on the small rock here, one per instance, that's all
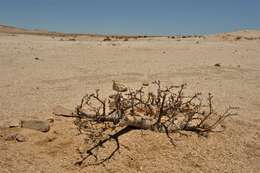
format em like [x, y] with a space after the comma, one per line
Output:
[15, 137]
[145, 84]
[217, 65]
[14, 123]
[50, 120]
[37, 58]
[10, 137]
[119, 87]
[42, 126]
[20, 138]
[81, 149]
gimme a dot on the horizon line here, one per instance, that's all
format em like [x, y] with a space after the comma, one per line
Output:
[31, 30]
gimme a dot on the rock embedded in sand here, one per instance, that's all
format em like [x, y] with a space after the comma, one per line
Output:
[14, 123]
[145, 84]
[20, 138]
[119, 87]
[15, 137]
[42, 126]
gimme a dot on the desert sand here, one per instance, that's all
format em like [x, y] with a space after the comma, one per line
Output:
[39, 72]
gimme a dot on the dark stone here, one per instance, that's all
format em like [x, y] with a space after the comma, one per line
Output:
[42, 126]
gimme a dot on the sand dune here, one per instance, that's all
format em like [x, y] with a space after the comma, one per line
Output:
[39, 71]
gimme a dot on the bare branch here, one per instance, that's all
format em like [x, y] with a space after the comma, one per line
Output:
[164, 110]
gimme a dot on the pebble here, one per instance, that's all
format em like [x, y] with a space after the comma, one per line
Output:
[42, 126]
[15, 137]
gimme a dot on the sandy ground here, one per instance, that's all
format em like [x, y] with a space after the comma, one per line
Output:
[66, 70]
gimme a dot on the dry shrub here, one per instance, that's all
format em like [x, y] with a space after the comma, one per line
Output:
[238, 38]
[251, 38]
[72, 39]
[107, 39]
[162, 110]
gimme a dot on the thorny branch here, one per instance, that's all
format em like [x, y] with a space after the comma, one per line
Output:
[164, 109]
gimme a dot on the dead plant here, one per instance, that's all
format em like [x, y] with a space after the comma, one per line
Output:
[163, 110]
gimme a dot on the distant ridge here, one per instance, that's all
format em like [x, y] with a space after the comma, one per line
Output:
[248, 34]
[16, 30]
[11, 29]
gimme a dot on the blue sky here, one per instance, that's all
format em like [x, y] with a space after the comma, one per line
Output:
[156, 17]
